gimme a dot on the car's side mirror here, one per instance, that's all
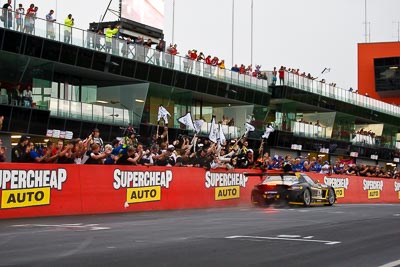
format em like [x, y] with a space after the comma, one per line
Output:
[316, 181]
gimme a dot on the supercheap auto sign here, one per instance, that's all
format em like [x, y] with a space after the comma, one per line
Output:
[28, 188]
[142, 186]
[339, 184]
[226, 185]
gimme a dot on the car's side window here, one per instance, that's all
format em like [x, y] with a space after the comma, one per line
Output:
[308, 180]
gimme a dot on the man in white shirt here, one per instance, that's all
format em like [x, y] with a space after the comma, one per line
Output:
[326, 168]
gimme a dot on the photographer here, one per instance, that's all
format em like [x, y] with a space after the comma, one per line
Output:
[68, 23]
[50, 25]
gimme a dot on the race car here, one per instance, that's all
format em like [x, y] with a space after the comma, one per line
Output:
[291, 189]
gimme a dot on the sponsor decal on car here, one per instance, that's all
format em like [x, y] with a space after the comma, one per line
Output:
[226, 185]
[339, 184]
[29, 188]
[142, 186]
[373, 188]
[397, 188]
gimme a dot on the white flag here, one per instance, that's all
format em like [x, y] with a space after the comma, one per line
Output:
[221, 135]
[197, 125]
[163, 113]
[213, 131]
[187, 121]
[268, 130]
[249, 128]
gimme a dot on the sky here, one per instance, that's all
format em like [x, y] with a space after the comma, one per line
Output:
[309, 35]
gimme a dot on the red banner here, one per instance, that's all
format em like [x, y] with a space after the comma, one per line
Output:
[30, 190]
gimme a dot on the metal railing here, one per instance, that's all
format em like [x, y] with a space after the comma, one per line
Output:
[120, 47]
[323, 89]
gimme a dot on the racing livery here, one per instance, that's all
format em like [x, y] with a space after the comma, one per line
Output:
[291, 189]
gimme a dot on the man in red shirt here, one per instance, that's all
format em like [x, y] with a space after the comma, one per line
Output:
[193, 54]
[281, 75]
[207, 67]
[208, 60]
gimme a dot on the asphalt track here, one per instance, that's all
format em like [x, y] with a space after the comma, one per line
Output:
[342, 235]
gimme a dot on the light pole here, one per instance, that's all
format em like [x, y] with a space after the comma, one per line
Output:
[233, 30]
[251, 48]
[366, 26]
[173, 20]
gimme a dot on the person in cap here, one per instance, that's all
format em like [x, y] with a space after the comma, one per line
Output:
[18, 151]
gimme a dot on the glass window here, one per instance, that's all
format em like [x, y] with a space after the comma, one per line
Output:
[97, 112]
[76, 108]
[54, 90]
[89, 94]
[87, 111]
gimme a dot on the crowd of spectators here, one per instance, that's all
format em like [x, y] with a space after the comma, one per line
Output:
[366, 133]
[249, 70]
[295, 71]
[183, 151]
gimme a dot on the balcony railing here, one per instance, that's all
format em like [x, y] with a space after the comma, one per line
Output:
[323, 89]
[90, 112]
[119, 47]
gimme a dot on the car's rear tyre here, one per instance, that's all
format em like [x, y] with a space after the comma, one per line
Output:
[256, 200]
[331, 197]
[307, 198]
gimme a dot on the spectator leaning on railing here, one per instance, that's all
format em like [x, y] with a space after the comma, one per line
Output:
[6, 15]
[19, 13]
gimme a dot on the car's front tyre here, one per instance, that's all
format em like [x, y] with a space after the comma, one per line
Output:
[307, 198]
[331, 197]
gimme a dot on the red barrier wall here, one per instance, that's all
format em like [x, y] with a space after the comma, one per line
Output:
[30, 190]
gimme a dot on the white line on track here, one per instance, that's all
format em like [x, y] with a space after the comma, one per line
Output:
[391, 264]
[326, 242]
[76, 226]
